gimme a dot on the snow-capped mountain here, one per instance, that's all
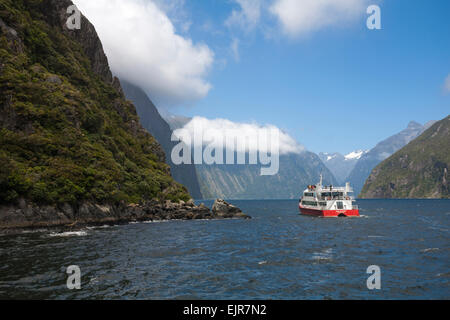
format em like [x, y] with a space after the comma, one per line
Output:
[355, 155]
[341, 165]
[383, 150]
[356, 166]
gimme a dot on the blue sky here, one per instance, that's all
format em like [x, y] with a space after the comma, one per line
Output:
[311, 68]
[335, 89]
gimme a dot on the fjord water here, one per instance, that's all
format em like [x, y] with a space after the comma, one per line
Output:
[276, 255]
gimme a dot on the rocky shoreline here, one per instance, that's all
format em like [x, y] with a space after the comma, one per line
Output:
[26, 216]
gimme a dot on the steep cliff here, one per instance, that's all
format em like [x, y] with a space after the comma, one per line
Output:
[67, 133]
[158, 128]
[419, 170]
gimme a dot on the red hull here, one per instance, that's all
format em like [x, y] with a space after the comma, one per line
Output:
[329, 213]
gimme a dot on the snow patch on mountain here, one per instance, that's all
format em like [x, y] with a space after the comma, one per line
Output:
[331, 157]
[355, 155]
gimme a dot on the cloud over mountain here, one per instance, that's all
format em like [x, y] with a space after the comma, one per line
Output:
[214, 129]
[143, 48]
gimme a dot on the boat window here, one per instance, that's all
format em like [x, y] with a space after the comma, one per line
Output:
[340, 205]
[326, 194]
[309, 194]
[310, 203]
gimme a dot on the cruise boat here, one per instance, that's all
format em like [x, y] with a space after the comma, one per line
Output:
[328, 201]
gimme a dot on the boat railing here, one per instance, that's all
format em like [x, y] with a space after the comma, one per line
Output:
[355, 207]
[336, 198]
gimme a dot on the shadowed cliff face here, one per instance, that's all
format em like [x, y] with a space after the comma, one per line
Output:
[419, 170]
[67, 134]
[152, 121]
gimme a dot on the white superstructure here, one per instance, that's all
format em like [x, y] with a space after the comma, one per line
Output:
[319, 197]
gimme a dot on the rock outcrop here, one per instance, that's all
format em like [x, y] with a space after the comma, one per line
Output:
[27, 215]
[223, 209]
[14, 41]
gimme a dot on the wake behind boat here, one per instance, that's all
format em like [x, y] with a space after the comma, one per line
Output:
[328, 201]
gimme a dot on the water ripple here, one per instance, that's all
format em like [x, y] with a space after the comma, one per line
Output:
[277, 255]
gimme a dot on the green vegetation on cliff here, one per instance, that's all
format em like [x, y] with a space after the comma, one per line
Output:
[66, 132]
[419, 170]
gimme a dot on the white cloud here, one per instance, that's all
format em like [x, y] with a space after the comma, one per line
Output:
[248, 16]
[177, 13]
[143, 47]
[447, 85]
[299, 17]
[253, 131]
[235, 49]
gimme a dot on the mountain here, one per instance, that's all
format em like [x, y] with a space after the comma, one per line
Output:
[341, 165]
[296, 172]
[381, 151]
[67, 133]
[158, 127]
[355, 155]
[174, 121]
[419, 170]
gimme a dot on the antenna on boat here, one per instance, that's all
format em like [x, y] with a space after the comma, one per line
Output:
[320, 182]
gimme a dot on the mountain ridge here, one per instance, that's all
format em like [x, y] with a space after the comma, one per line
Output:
[418, 170]
[341, 165]
[381, 151]
[296, 172]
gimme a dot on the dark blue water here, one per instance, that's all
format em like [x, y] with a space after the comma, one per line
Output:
[276, 255]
